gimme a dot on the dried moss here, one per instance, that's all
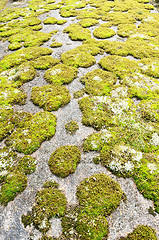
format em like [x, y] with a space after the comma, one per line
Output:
[61, 74]
[64, 160]
[50, 202]
[28, 138]
[71, 127]
[141, 232]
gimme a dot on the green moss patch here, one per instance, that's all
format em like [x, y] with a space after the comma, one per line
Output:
[15, 46]
[98, 82]
[22, 55]
[56, 44]
[61, 74]
[141, 232]
[28, 138]
[50, 97]
[117, 18]
[98, 197]
[150, 66]
[88, 22]
[78, 93]
[45, 62]
[76, 32]
[6, 126]
[103, 31]
[125, 30]
[50, 20]
[71, 127]
[64, 160]
[50, 202]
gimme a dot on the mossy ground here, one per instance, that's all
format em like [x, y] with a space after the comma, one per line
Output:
[50, 202]
[61, 74]
[64, 160]
[49, 97]
[98, 197]
[71, 127]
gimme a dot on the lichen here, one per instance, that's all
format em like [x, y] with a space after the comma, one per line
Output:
[50, 202]
[28, 138]
[71, 127]
[64, 160]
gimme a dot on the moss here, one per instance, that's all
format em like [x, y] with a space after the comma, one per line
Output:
[71, 127]
[98, 197]
[149, 110]
[89, 13]
[56, 44]
[125, 30]
[61, 22]
[49, 97]
[30, 38]
[141, 232]
[26, 165]
[74, 4]
[14, 46]
[37, 27]
[149, 66]
[68, 12]
[22, 55]
[64, 160]
[61, 74]
[76, 32]
[119, 65]
[6, 126]
[50, 202]
[103, 31]
[53, 32]
[78, 58]
[14, 184]
[117, 18]
[78, 93]
[28, 138]
[88, 22]
[45, 62]
[50, 20]
[98, 82]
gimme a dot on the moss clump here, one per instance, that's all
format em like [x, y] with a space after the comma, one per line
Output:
[20, 117]
[125, 30]
[88, 22]
[56, 44]
[76, 32]
[15, 46]
[78, 58]
[30, 38]
[64, 160]
[50, 20]
[98, 197]
[50, 202]
[150, 66]
[149, 110]
[14, 184]
[119, 65]
[78, 93]
[71, 127]
[98, 82]
[6, 126]
[116, 18]
[45, 62]
[68, 12]
[61, 74]
[141, 232]
[28, 138]
[26, 165]
[89, 13]
[49, 97]
[22, 55]
[103, 31]
[61, 22]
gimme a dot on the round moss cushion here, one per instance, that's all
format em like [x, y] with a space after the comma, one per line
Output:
[64, 160]
[103, 32]
[49, 97]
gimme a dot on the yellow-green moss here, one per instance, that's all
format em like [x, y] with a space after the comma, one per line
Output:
[56, 44]
[88, 22]
[6, 126]
[50, 20]
[61, 22]
[78, 93]
[22, 55]
[14, 46]
[61, 74]
[49, 97]
[117, 18]
[45, 62]
[103, 31]
[98, 82]
[125, 30]
[28, 138]
[141, 232]
[150, 66]
[98, 197]
[64, 160]
[76, 32]
[68, 12]
[71, 127]
[89, 13]
[50, 202]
